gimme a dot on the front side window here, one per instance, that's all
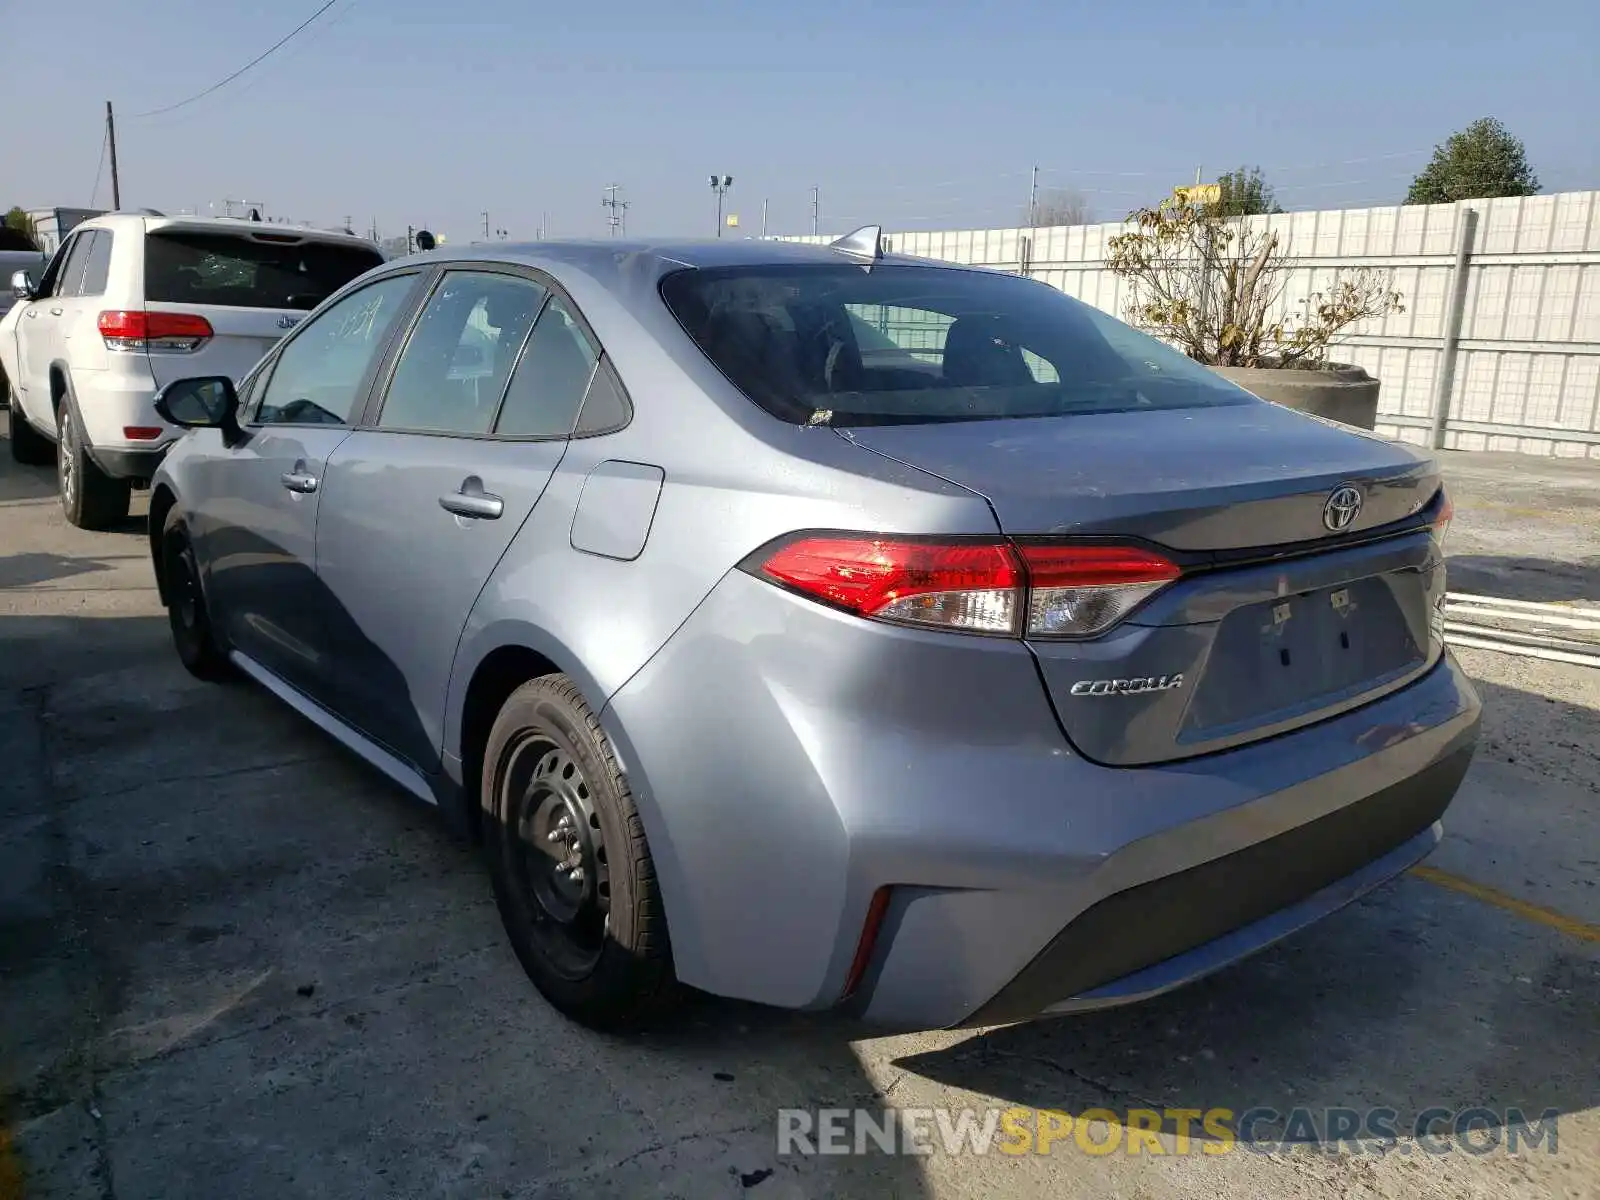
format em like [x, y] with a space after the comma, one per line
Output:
[459, 355]
[319, 371]
[910, 344]
[257, 271]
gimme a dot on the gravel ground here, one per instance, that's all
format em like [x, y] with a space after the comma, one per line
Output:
[235, 963]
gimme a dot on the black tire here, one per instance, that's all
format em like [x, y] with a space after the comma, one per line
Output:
[90, 498]
[199, 648]
[597, 946]
[28, 446]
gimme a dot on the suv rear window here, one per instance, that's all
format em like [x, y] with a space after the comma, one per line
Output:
[842, 345]
[238, 272]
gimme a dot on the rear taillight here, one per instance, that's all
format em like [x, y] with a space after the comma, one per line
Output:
[971, 586]
[1441, 520]
[1077, 591]
[161, 331]
[1014, 590]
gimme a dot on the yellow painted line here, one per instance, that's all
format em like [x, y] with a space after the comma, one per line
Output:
[1547, 917]
[10, 1166]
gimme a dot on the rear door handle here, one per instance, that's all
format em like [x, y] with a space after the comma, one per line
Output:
[473, 501]
[55, 312]
[300, 481]
[33, 313]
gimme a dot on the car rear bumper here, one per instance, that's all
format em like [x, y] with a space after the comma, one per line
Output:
[791, 761]
[111, 402]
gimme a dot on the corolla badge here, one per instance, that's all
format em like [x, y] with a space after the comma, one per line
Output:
[1342, 508]
[1126, 687]
[287, 322]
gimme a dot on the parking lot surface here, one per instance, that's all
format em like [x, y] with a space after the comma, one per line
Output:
[236, 963]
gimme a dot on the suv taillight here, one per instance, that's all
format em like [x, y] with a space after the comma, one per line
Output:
[162, 331]
[995, 587]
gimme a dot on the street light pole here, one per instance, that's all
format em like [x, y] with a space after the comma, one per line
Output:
[720, 185]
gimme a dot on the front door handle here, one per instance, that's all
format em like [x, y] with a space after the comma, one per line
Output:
[300, 481]
[473, 501]
[33, 313]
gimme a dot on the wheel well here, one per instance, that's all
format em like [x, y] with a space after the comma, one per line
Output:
[160, 505]
[502, 672]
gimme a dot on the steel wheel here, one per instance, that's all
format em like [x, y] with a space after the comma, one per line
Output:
[560, 863]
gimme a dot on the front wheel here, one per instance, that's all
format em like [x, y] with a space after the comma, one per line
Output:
[572, 872]
[90, 498]
[192, 635]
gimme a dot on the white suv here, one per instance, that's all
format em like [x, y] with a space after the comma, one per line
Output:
[130, 303]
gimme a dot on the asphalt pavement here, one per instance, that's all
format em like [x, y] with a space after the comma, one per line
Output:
[236, 963]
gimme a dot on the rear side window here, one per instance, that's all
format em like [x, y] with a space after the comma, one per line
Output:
[71, 273]
[839, 345]
[97, 266]
[248, 272]
[552, 378]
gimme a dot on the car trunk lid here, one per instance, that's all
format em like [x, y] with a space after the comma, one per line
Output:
[1287, 611]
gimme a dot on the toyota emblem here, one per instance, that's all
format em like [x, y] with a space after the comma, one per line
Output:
[1342, 508]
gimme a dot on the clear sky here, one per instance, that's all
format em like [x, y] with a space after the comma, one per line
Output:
[912, 115]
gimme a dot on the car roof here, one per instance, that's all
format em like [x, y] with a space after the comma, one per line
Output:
[602, 257]
[152, 222]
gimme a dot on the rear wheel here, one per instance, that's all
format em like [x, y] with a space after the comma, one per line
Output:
[192, 634]
[28, 445]
[572, 872]
[90, 498]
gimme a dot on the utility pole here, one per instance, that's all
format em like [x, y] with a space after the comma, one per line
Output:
[618, 220]
[111, 140]
[486, 226]
[816, 209]
[763, 218]
[1033, 200]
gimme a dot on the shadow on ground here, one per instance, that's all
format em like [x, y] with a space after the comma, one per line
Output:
[1538, 579]
[268, 972]
[25, 483]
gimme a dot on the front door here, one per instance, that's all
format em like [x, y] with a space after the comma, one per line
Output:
[258, 534]
[39, 328]
[418, 510]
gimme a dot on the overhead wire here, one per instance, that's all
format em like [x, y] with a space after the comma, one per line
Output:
[265, 54]
[105, 137]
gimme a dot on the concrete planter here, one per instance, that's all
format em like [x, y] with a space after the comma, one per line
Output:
[1337, 392]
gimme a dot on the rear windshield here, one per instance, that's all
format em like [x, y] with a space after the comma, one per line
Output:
[237, 272]
[844, 345]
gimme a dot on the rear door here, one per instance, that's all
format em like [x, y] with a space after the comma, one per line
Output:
[256, 518]
[250, 287]
[419, 507]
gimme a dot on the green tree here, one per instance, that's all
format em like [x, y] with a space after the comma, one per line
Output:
[1245, 193]
[1478, 163]
[20, 233]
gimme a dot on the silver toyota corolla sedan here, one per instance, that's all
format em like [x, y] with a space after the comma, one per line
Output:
[827, 628]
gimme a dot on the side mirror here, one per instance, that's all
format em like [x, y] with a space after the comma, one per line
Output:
[23, 286]
[208, 402]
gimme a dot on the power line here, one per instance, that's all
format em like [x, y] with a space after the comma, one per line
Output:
[268, 52]
[95, 195]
